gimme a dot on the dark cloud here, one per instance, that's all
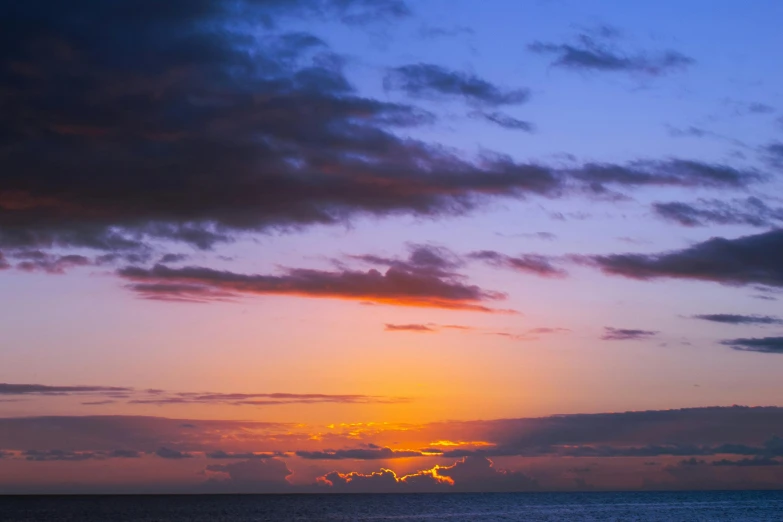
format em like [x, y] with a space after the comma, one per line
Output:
[751, 211]
[754, 259]
[421, 328]
[234, 130]
[53, 455]
[252, 475]
[219, 454]
[36, 261]
[693, 461]
[76, 456]
[504, 120]
[773, 154]
[694, 432]
[758, 461]
[760, 108]
[264, 399]
[167, 453]
[675, 172]
[599, 52]
[529, 263]
[756, 344]
[423, 259]
[625, 334]
[227, 140]
[41, 389]
[739, 319]
[359, 454]
[173, 258]
[125, 454]
[424, 80]
[163, 397]
[691, 131]
[138, 434]
[426, 279]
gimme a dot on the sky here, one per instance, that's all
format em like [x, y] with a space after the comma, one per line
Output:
[271, 246]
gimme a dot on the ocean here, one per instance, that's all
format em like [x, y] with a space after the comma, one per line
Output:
[455, 507]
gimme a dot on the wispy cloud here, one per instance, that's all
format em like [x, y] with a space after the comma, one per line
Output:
[751, 211]
[420, 328]
[424, 80]
[626, 334]
[599, 51]
[529, 263]
[739, 319]
[111, 395]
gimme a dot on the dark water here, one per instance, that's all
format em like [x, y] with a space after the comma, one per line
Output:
[687, 506]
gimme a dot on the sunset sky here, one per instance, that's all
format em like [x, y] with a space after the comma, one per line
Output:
[377, 245]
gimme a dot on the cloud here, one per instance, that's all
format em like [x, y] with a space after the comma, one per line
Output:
[41, 389]
[528, 263]
[264, 399]
[113, 394]
[758, 461]
[596, 51]
[263, 474]
[760, 108]
[773, 154]
[424, 80]
[74, 456]
[751, 211]
[754, 259]
[359, 454]
[694, 432]
[137, 435]
[423, 259]
[472, 473]
[234, 142]
[219, 454]
[547, 330]
[37, 260]
[173, 258]
[739, 319]
[756, 344]
[426, 328]
[504, 120]
[624, 334]
[167, 453]
[420, 328]
[432, 32]
[674, 172]
[53, 455]
[424, 280]
[545, 236]
[532, 334]
[229, 141]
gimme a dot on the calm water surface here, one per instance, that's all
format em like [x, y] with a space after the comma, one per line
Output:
[681, 506]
